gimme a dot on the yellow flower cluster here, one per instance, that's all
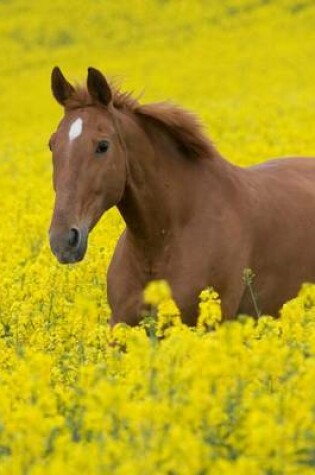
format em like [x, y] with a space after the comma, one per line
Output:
[210, 314]
[238, 399]
[164, 314]
[233, 397]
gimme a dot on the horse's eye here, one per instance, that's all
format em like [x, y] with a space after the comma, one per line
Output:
[102, 147]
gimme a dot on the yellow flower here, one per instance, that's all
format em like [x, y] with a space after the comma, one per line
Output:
[210, 313]
[79, 397]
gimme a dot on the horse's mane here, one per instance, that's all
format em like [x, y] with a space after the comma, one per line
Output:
[182, 125]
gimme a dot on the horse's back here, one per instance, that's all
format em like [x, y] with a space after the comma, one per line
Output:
[282, 178]
[285, 165]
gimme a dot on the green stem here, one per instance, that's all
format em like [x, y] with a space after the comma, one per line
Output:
[248, 277]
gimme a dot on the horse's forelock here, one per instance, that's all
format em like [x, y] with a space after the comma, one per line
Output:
[82, 98]
[79, 98]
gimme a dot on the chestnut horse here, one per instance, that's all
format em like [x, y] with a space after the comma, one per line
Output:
[191, 217]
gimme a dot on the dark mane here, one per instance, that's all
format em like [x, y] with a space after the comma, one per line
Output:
[182, 125]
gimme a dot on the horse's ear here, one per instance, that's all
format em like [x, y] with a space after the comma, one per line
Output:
[61, 88]
[98, 87]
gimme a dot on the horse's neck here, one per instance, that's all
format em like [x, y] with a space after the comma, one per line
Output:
[163, 189]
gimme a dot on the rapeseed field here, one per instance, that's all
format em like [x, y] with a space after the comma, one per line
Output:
[236, 398]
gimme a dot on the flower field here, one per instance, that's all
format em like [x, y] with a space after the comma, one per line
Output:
[237, 397]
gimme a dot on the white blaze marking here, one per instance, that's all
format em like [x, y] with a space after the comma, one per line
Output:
[76, 129]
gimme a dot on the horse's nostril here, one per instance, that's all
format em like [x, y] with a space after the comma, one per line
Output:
[74, 237]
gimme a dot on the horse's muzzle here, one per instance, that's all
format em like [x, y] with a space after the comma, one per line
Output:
[70, 246]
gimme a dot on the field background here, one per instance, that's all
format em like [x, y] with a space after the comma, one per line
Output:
[68, 402]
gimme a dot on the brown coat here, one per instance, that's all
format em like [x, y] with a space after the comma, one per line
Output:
[192, 218]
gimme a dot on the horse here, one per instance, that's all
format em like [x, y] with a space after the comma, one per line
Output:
[192, 217]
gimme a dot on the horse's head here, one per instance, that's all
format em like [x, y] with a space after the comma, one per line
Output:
[89, 169]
